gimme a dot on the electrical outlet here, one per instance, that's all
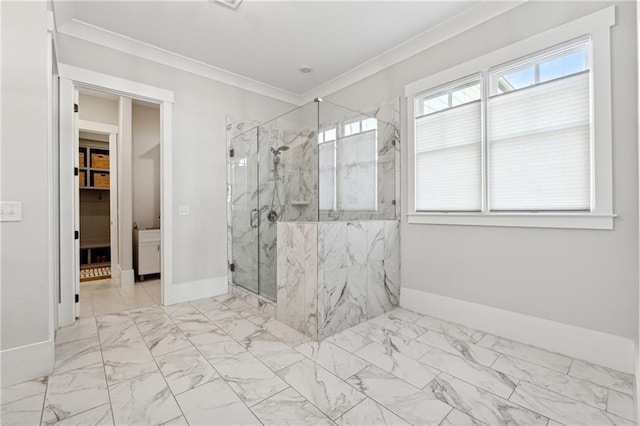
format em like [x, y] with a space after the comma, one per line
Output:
[10, 211]
[183, 210]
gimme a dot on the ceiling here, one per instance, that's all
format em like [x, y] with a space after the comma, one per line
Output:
[264, 41]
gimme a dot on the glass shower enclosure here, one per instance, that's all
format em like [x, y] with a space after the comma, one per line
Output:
[320, 162]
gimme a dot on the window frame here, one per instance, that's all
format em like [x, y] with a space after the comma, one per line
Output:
[596, 26]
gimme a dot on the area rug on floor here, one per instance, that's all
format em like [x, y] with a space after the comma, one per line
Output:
[97, 273]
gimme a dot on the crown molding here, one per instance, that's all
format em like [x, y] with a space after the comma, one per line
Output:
[465, 20]
[93, 34]
[447, 29]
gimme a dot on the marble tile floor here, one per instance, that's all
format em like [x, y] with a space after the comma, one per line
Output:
[107, 296]
[219, 361]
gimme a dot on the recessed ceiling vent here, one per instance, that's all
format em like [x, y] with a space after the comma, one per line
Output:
[232, 4]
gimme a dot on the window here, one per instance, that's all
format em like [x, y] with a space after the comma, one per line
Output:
[539, 134]
[348, 157]
[448, 136]
[514, 138]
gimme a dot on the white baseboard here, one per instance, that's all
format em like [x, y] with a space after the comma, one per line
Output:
[637, 380]
[127, 278]
[26, 362]
[193, 290]
[116, 272]
[594, 346]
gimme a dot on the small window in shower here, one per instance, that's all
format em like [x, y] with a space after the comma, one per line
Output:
[348, 166]
[327, 168]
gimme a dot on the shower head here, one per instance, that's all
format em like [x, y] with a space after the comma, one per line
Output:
[279, 149]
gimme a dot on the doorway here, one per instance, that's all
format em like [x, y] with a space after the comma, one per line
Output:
[126, 293]
[118, 154]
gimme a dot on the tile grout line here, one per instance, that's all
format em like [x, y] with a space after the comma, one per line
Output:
[449, 413]
[360, 402]
[104, 369]
[44, 401]
[220, 376]
[160, 370]
[275, 373]
[260, 326]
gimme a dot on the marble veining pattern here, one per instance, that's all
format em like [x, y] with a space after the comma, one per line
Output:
[334, 275]
[395, 369]
[253, 182]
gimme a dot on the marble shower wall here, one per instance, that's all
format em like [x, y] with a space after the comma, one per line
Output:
[301, 181]
[290, 192]
[297, 297]
[334, 275]
[358, 272]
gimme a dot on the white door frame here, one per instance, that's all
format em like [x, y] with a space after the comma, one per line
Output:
[70, 78]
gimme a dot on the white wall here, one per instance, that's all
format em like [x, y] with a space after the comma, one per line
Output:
[24, 271]
[199, 148]
[97, 109]
[578, 277]
[146, 166]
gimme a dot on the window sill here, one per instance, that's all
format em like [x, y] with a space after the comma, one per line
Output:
[522, 220]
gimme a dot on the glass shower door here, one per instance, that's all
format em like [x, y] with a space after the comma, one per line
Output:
[244, 214]
[287, 187]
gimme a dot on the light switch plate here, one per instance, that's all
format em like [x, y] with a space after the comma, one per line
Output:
[183, 210]
[10, 211]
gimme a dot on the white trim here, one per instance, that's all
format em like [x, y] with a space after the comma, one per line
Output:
[594, 346]
[95, 127]
[93, 34]
[601, 217]
[116, 271]
[66, 158]
[193, 290]
[114, 220]
[524, 220]
[76, 202]
[52, 171]
[166, 201]
[116, 85]
[26, 362]
[127, 278]
[636, 381]
[72, 76]
[449, 28]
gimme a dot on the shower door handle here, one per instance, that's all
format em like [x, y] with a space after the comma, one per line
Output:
[251, 219]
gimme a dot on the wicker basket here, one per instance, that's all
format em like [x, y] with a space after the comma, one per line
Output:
[101, 179]
[83, 178]
[81, 159]
[99, 161]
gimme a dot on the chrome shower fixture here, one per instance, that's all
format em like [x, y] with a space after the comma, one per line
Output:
[277, 151]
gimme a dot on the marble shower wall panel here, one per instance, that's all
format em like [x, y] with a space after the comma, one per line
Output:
[358, 272]
[269, 182]
[297, 291]
[241, 199]
[301, 177]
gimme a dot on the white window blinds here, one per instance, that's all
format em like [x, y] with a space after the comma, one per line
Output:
[448, 159]
[539, 147]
